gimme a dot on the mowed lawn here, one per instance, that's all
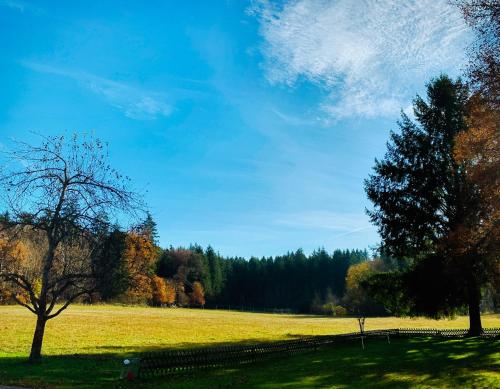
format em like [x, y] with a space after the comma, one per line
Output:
[84, 347]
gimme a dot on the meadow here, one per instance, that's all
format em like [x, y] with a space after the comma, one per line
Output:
[84, 347]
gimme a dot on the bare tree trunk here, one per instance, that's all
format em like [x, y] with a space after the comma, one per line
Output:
[475, 327]
[36, 346]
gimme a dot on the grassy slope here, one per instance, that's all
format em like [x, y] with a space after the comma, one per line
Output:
[102, 335]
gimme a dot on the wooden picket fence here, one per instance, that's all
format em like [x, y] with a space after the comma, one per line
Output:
[177, 361]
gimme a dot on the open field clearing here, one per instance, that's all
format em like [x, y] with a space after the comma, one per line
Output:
[102, 335]
[111, 329]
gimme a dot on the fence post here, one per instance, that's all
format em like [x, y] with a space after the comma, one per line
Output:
[361, 321]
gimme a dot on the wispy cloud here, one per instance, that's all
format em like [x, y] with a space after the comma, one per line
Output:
[369, 56]
[293, 120]
[343, 223]
[135, 102]
[14, 4]
[21, 6]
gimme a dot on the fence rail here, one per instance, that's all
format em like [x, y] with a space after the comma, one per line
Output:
[175, 361]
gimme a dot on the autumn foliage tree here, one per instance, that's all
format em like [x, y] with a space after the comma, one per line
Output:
[159, 291]
[140, 256]
[184, 268]
[483, 16]
[15, 255]
[163, 291]
[170, 292]
[356, 297]
[198, 294]
[478, 150]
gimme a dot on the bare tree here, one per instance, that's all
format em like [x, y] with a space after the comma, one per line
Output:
[55, 194]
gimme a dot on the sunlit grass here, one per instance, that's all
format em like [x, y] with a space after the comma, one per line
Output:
[101, 335]
[115, 329]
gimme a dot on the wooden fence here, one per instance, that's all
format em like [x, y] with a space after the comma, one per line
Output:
[176, 361]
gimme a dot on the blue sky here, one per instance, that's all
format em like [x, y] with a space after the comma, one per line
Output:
[249, 126]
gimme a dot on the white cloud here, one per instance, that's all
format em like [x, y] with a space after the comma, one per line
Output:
[135, 102]
[369, 56]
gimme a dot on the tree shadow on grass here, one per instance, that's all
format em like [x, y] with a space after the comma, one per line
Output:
[138, 350]
[402, 364]
[89, 371]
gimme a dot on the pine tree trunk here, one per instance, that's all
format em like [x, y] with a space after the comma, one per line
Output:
[475, 327]
[36, 346]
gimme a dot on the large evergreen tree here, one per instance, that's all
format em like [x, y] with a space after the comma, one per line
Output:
[215, 270]
[422, 201]
[110, 267]
[148, 228]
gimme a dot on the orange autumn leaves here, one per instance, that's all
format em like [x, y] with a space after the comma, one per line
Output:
[163, 292]
[478, 151]
[198, 295]
[14, 255]
[140, 256]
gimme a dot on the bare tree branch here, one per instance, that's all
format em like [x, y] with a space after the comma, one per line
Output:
[55, 192]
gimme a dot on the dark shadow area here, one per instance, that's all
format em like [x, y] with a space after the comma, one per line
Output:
[123, 350]
[404, 363]
[85, 371]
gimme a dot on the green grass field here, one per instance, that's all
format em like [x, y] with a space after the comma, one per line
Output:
[84, 347]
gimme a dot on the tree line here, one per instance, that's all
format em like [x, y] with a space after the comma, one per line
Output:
[294, 281]
[130, 267]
